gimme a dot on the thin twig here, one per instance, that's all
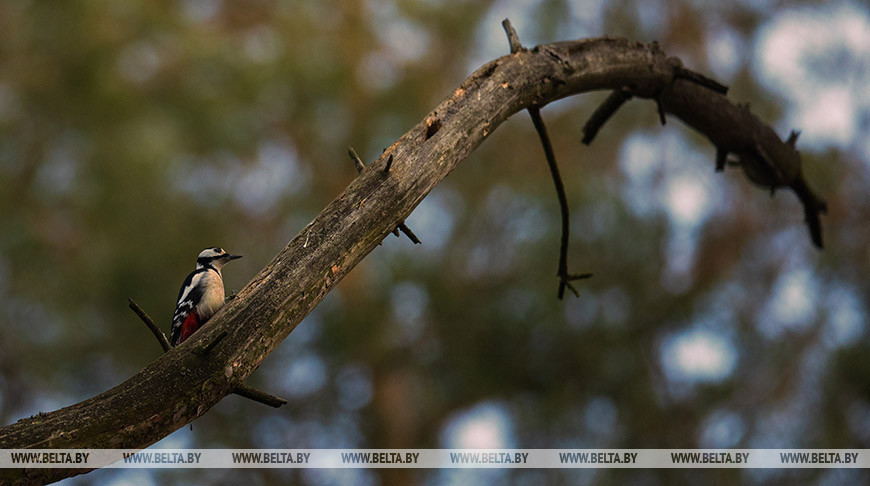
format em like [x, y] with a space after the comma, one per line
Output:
[161, 338]
[571, 288]
[407, 231]
[700, 79]
[603, 113]
[241, 389]
[563, 199]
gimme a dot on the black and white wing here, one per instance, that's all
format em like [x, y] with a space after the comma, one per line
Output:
[188, 296]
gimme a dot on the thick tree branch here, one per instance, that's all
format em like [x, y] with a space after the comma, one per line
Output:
[360, 166]
[241, 389]
[180, 386]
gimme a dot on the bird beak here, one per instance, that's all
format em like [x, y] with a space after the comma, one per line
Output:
[233, 257]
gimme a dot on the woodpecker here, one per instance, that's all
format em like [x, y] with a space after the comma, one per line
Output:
[201, 294]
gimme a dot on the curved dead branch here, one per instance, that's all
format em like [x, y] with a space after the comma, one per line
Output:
[182, 385]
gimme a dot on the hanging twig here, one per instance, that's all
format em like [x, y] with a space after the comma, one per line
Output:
[564, 277]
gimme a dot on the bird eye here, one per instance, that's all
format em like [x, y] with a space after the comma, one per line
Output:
[219, 250]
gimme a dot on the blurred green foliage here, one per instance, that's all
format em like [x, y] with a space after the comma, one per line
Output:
[133, 134]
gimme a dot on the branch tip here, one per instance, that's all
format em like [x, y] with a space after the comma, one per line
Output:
[572, 289]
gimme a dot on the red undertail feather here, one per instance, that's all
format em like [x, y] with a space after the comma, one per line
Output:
[189, 326]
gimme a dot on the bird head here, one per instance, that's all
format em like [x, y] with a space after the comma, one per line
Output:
[214, 256]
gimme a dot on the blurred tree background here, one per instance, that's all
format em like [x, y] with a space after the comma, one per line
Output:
[134, 134]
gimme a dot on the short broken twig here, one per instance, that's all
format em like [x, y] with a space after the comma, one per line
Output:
[513, 38]
[240, 389]
[243, 390]
[700, 79]
[407, 231]
[603, 113]
[204, 350]
[357, 162]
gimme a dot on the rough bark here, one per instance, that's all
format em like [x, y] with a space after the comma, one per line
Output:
[181, 385]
